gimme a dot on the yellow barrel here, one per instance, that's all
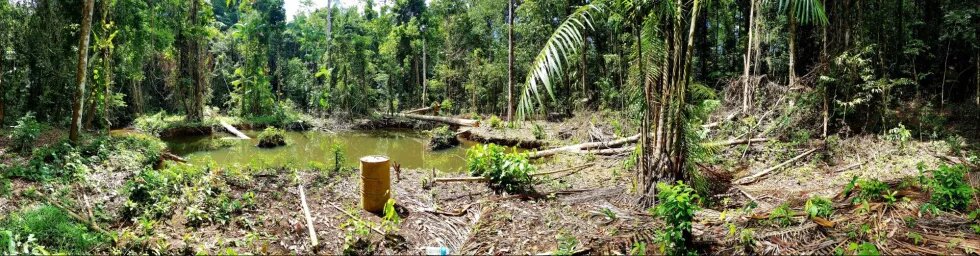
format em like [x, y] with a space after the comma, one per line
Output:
[375, 183]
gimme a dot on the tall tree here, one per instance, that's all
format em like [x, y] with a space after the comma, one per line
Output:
[81, 72]
[800, 12]
[510, 60]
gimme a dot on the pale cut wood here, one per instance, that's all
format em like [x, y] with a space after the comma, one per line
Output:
[755, 177]
[309, 219]
[482, 179]
[442, 119]
[234, 131]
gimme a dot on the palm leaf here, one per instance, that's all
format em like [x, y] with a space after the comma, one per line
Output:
[547, 67]
[807, 11]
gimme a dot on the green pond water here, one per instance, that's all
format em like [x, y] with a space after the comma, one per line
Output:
[407, 148]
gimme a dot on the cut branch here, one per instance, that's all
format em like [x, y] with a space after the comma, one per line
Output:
[442, 119]
[755, 177]
[234, 131]
[309, 219]
[482, 179]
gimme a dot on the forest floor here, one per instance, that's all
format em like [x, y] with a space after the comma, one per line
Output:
[172, 208]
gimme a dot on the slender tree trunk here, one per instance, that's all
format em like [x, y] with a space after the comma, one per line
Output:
[792, 46]
[425, 79]
[746, 92]
[510, 60]
[106, 55]
[81, 72]
[1, 89]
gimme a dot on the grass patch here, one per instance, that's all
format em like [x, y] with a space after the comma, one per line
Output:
[442, 138]
[272, 137]
[49, 229]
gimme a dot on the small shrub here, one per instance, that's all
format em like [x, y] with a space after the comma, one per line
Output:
[677, 205]
[863, 249]
[818, 207]
[495, 122]
[870, 190]
[338, 157]
[566, 245]
[53, 229]
[506, 172]
[899, 134]
[391, 219]
[782, 215]
[357, 237]
[949, 190]
[5, 186]
[539, 132]
[956, 144]
[272, 137]
[446, 106]
[639, 248]
[442, 138]
[25, 133]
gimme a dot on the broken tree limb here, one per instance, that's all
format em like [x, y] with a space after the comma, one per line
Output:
[88, 222]
[584, 146]
[482, 179]
[851, 166]
[460, 179]
[612, 147]
[442, 119]
[573, 168]
[234, 130]
[755, 177]
[734, 142]
[434, 108]
[172, 157]
[309, 219]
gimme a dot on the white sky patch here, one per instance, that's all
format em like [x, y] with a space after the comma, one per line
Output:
[294, 7]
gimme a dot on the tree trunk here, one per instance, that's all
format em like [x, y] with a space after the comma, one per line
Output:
[792, 46]
[195, 111]
[510, 60]
[81, 72]
[425, 78]
[106, 55]
[1, 88]
[746, 93]
[669, 149]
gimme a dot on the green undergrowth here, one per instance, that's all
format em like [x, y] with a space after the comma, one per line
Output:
[66, 162]
[204, 195]
[507, 172]
[442, 138]
[47, 230]
[272, 137]
[161, 122]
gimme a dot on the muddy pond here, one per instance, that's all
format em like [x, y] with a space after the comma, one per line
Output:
[406, 147]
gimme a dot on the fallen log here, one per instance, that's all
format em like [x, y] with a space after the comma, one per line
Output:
[309, 219]
[610, 147]
[234, 131]
[482, 179]
[584, 146]
[434, 108]
[442, 119]
[172, 157]
[734, 142]
[755, 177]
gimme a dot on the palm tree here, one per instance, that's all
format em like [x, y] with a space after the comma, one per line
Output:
[665, 86]
[802, 12]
